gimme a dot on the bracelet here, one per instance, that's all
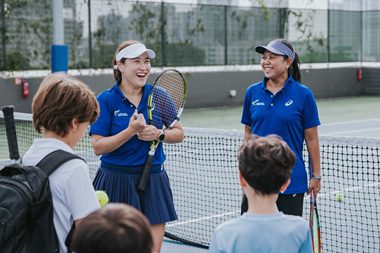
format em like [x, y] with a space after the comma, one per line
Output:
[317, 177]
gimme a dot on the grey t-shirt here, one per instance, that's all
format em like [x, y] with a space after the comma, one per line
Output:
[262, 233]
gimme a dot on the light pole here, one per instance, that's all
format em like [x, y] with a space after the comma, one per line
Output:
[59, 51]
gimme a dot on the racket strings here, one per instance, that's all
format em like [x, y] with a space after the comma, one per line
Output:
[173, 83]
[167, 99]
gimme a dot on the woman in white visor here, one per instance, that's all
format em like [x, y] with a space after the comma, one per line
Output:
[122, 137]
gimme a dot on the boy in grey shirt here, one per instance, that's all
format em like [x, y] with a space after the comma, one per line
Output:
[265, 165]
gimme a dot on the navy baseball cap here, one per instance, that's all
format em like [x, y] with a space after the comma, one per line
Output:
[276, 47]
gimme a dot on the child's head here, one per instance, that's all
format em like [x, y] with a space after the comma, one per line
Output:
[266, 163]
[60, 99]
[113, 228]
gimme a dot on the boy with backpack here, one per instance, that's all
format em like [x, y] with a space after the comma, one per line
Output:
[265, 165]
[62, 109]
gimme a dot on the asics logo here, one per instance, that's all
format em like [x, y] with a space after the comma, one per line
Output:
[120, 114]
[289, 102]
[257, 103]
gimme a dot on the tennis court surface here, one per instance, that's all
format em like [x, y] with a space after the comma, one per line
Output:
[204, 178]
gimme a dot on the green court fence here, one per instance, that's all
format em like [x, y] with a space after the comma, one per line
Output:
[188, 34]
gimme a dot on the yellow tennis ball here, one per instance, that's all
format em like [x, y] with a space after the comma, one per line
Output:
[339, 197]
[102, 198]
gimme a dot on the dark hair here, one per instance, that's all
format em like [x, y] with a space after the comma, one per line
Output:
[266, 163]
[59, 99]
[116, 71]
[294, 69]
[115, 228]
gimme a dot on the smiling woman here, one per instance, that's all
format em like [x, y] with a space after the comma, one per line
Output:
[281, 105]
[122, 137]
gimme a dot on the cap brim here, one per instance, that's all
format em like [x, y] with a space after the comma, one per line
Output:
[151, 54]
[262, 49]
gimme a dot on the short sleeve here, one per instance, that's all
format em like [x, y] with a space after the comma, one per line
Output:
[246, 115]
[102, 125]
[310, 112]
[80, 194]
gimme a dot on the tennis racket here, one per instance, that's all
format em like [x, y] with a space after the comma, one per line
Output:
[314, 225]
[165, 105]
[10, 130]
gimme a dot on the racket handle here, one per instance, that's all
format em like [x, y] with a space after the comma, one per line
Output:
[10, 130]
[145, 174]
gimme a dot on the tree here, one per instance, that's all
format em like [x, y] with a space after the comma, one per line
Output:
[25, 33]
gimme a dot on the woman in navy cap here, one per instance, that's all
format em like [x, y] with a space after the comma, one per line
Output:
[280, 104]
[122, 137]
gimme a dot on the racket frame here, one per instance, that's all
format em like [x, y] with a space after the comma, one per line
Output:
[141, 185]
[315, 228]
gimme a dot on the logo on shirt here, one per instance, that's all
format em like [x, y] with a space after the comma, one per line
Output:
[257, 103]
[289, 102]
[120, 114]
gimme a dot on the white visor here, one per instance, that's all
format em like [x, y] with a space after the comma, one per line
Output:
[133, 51]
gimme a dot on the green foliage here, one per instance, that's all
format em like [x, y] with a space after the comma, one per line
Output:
[106, 40]
[26, 30]
[103, 56]
[184, 54]
[144, 25]
[241, 18]
[17, 61]
[198, 28]
[304, 25]
[74, 40]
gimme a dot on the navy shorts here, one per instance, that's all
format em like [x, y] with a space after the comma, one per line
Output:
[156, 203]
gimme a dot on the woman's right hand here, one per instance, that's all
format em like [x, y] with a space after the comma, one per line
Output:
[137, 122]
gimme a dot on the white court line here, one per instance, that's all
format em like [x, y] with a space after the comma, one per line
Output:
[203, 218]
[377, 184]
[349, 122]
[353, 131]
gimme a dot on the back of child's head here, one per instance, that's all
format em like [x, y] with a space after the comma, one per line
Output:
[59, 99]
[115, 228]
[266, 163]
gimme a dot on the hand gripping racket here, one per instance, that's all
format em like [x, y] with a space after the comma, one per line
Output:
[10, 129]
[314, 225]
[165, 105]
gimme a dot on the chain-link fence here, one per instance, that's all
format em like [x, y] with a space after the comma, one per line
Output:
[188, 34]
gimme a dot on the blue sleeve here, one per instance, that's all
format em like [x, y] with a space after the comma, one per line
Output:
[103, 123]
[306, 246]
[246, 116]
[310, 112]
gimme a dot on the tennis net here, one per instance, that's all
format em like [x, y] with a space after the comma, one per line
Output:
[204, 179]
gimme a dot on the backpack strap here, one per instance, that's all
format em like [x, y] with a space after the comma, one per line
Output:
[55, 159]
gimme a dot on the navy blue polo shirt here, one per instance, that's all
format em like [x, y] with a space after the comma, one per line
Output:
[115, 113]
[287, 113]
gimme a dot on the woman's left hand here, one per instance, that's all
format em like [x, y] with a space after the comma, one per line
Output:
[315, 186]
[150, 133]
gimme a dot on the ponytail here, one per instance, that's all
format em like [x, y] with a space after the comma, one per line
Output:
[294, 70]
[116, 72]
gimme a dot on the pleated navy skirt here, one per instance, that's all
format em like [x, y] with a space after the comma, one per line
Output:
[156, 203]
